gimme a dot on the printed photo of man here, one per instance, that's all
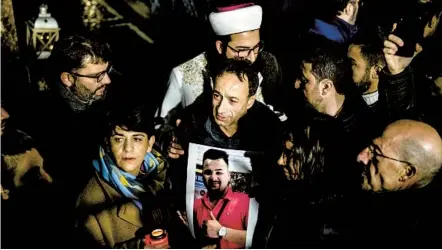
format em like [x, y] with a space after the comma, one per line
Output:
[221, 215]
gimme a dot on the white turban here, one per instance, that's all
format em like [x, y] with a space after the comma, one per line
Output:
[236, 19]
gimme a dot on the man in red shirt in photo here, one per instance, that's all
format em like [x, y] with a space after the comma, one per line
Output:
[221, 214]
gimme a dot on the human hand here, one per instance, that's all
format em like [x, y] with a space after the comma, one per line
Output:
[183, 217]
[212, 227]
[397, 64]
[22, 164]
[175, 150]
[4, 192]
[209, 247]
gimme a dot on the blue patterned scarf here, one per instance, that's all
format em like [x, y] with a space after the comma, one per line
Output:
[127, 184]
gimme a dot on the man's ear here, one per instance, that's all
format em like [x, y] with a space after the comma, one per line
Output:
[407, 173]
[67, 79]
[325, 87]
[251, 101]
[219, 46]
[375, 70]
[151, 143]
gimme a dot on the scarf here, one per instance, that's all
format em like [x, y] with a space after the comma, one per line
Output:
[127, 184]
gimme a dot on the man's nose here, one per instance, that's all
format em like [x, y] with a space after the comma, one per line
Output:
[106, 79]
[297, 84]
[251, 57]
[222, 107]
[364, 156]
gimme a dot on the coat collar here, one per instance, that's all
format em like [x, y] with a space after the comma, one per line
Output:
[126, 210]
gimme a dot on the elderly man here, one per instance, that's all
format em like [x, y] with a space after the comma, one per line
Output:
[400, 171]
[222, 214]
[237, 30]
[407, 155]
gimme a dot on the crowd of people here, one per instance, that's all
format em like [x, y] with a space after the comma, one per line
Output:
[348, 124]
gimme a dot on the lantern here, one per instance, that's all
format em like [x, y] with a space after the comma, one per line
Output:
[42, 33]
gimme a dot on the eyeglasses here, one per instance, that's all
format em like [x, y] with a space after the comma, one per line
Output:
[99, 76]
[376, 151]
[246, 52]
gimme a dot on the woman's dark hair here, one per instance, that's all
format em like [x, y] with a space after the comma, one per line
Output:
[132, 117]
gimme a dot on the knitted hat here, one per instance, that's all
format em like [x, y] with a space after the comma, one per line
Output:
[236, 19]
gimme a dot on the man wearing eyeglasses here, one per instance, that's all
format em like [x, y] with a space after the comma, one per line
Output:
[65, 120]
[407, 155]
[401, 172]
[83, 71]
[237, 30]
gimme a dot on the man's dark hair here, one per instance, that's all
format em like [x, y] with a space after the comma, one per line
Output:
[215, 154]
[328, 62]
[242, 69]
[131, 117]
[330, 8]
[371, 44]
[339, 5]
[74, 52]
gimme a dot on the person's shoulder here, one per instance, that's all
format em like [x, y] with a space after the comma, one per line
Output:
[241, 196]
[327, 30]
[263, 113]
[198, 61]
[92, 194]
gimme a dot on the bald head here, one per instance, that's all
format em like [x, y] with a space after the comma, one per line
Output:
[419, 144]
[407, 155]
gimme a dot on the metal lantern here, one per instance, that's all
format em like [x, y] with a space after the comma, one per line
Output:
[42, 33]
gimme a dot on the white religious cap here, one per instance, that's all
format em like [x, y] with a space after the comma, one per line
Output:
[236, 19]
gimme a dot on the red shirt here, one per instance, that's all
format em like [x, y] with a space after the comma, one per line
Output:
[234, 215]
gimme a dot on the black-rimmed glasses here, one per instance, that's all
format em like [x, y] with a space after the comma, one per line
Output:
[246, 52]
[376, 151]
[99, 76]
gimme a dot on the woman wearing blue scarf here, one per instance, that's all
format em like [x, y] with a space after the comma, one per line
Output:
[129, 173]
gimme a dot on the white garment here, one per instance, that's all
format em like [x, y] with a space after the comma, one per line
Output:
[371, 98]
[186, 83]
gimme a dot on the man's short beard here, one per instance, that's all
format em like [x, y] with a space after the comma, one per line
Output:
[364, 84]
[86, 95]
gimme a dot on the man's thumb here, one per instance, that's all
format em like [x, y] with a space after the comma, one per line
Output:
[394, 27]
[212, 216]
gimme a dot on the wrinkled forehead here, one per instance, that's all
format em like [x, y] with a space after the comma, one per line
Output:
[230, 83]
